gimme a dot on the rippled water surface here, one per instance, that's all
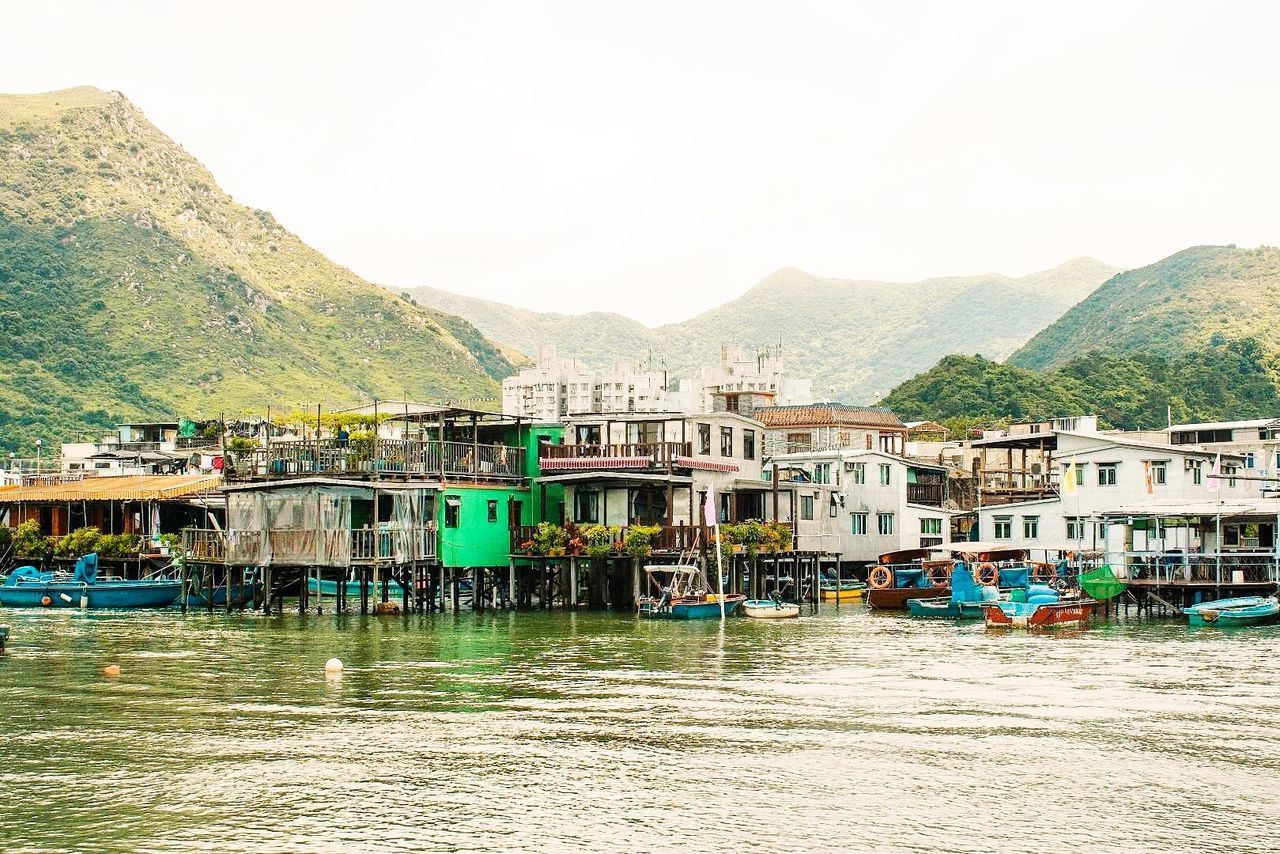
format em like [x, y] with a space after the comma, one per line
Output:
[597, 732]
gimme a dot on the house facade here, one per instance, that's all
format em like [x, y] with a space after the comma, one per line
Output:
[831, 426]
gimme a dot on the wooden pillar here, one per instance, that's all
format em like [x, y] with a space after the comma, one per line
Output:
[571, 598]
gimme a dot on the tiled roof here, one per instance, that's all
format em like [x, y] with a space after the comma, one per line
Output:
[828, 415]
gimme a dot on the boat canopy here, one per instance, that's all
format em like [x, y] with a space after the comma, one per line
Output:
[87, 569]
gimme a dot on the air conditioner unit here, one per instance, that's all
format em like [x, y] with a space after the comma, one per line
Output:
[1035, 468]
[1189, 464]
[849, 466]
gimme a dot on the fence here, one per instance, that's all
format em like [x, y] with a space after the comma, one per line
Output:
[386, 456]
[300, 546]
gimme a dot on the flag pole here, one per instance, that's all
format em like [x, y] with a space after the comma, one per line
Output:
[712, 520]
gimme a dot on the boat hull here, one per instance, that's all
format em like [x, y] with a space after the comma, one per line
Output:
[1020, 615]
[700, 610]
[330, 588]
[766, 609]
[1243, 611]
[850, 594]
[944, 608]
[103, 594]
[896, 598]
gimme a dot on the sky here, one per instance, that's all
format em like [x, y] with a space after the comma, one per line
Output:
[659, 159]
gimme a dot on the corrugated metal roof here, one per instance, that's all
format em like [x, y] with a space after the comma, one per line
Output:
[151, 487]
[827, 415]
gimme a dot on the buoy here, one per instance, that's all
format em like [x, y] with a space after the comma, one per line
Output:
[46, 601]
[84, 600]
[112, 670]
[65, 598]
[333, 665]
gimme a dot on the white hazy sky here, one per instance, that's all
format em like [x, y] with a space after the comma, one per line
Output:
[660, 158]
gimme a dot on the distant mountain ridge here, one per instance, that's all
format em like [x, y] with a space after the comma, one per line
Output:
[131, 286]
[856, 339]
[1191, 336]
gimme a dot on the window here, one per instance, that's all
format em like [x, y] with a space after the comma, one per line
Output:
[806, 508]
[931, 526]
[1075, 528]
[859, 472]
[452, 511]
[1003, 527]
[586, 506]
[588, 434]
[1160, 473]
[1248, 459]
[493, 510]
[885, 469]
[749, 444]
[1107, 474]
[858, 524]
[649, 505]
[884, 521]
[822, 472]
[1079, 467]
[1197, 472]
[726, 441]
[704, 439]
[1030, 527]
[1230, 472]
[798, 442]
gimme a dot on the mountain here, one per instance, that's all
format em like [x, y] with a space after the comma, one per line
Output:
[1199, 296]
[1191, 336]
[856, 339]
[131, 286]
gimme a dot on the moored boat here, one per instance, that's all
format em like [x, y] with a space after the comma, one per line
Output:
[682, 595]
[1042, 609]
[1240, 611]
[241, 594]
[29, 587]
[844, 590]
[770, 609]
[964, 602]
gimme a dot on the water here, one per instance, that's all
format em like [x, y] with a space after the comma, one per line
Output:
[596, 732]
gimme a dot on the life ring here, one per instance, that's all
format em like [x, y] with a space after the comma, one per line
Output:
[988, 575]
[46, 601]
[1043, 572]
[940, 575]
[880, 578]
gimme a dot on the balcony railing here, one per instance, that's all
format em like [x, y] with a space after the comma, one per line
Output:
[429, 458]
[929, 494]
[308, 545]
[636, 455]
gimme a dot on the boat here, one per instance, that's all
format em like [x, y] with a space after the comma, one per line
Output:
[29, 587]
[770, 609]
[324, 587]
[925, 573]
[1043, 608]
[964, 603]
[1241, 611]
[843, 590]
[681, 594]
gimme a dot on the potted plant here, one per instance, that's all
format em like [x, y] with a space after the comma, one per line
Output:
[599, 540]
[639, 540]
[28, 542]
[81, 541]
[777, 536]
[551, 539]
[751, 534]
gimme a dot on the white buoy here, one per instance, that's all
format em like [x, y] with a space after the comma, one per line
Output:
[333, 665]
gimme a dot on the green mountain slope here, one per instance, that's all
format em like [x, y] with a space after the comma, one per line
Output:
[1199, 296]
[131, 286]
[856, 339]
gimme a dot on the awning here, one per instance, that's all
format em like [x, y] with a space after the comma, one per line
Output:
[154, 487]
[616, 477]
[705, 465]
[581, 463]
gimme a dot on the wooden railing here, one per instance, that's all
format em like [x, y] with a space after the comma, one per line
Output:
[657, 454]
[929, 494]
[430, 458]
[396, 545]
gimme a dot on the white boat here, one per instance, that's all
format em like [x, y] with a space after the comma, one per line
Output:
[770, 609]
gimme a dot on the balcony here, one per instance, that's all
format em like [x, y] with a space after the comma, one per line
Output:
[389, 457]
[669, 540]
[308, 546]
[928, 494]
[642, 456]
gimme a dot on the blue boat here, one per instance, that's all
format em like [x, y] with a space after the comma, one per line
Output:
[683, 596]
[330, 588]
[1241, 611]
[29, 587]
[241, 594]
[964, 603]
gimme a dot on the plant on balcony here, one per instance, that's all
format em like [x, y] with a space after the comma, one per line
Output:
[751, 535]
[29, 543]
[599, 540]
[639, 540]
[528, 547]
[81, 541]
[724, 544]
[777, 537]
[361, 446]
[119, 546]
[551, 539]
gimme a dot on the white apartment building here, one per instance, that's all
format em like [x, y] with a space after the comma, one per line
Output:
[749, 376]
[1256, 441]
[866, 503]
[1110, 471]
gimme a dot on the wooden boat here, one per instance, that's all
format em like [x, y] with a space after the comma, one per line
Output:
[29, 587]
[770, 609]
[1043, 609]
[846, 590]
[902, 576]
[1241, 611]
[681, 594]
